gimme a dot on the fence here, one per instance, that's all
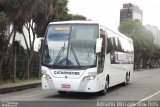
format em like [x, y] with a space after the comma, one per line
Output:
[7, 68]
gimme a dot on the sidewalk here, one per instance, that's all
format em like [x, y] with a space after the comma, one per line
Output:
[12, 87]
[140, 70]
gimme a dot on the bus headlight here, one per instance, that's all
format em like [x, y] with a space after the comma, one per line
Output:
[89, 78]
[43, 72]
[45, 75]
[92, 73]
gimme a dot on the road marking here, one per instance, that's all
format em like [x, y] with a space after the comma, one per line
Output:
[144, 99]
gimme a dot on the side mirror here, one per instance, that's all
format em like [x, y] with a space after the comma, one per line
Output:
[98, 45]
[37, 44]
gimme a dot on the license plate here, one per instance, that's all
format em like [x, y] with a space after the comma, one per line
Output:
[65, 85]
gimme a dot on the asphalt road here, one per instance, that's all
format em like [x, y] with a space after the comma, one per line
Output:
[144, 86]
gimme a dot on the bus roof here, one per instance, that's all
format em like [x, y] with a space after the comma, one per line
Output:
[88, 22]
[120, 34]
[74, 22]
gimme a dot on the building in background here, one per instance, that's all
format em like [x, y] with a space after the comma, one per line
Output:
[131, 11]
[156, 32]
[19, 37]
[7, 32]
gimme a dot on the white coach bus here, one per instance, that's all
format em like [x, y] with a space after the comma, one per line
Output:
[83, 56]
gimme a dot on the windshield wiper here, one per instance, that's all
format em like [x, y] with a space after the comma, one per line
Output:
[59, 55]
[75, 56]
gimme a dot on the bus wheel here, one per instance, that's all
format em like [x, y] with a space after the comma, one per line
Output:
[61, 92]
[127, 79]
[104, 91]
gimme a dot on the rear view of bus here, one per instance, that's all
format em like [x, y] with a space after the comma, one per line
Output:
[69, 57]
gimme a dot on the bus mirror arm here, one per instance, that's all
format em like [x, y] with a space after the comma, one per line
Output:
[37, 44]
[98, 45]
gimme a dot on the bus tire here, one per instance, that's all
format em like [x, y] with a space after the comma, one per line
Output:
[104, 91]
[61, 92]
[127, 78]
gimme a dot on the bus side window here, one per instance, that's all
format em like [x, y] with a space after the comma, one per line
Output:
[109, 45]
[112, 46]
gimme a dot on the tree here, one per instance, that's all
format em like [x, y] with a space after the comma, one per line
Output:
[60, 10]
[34, 15]
[3, 36]
[3, 28]
[47, 11]
[18, 12]
[74, 17]
[143, 41]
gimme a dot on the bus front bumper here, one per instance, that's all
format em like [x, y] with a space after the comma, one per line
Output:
[70, 85]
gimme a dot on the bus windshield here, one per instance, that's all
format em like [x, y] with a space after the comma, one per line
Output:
[68, 46]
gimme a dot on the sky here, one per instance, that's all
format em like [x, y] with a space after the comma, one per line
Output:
[107, 12]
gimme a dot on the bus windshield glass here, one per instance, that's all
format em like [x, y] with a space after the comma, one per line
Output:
[70, 45]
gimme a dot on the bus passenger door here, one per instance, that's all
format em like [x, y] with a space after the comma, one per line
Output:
[101, 61]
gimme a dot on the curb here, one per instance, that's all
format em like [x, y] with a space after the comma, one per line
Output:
[18, 88]
[141, 70]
